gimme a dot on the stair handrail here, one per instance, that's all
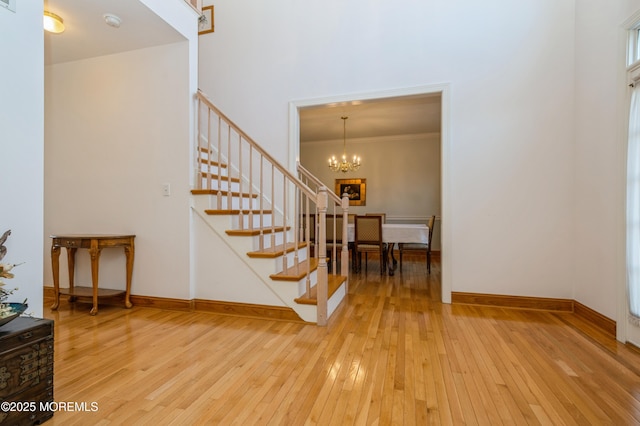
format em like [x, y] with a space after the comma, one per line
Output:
[247, 147]
[307, 174]
[264, 153]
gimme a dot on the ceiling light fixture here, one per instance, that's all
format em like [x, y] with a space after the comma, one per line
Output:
[52, 23]
[344, 165]
[112, 20]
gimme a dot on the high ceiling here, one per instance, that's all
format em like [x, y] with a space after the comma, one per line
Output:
[87, 35]
[372, 118]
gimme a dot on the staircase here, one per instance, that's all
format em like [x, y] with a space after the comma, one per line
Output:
[271, 219]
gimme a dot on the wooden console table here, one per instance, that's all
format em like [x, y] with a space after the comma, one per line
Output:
[95, 244]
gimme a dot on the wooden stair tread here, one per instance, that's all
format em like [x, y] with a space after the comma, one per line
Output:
[206, 150]
[214, 212]
[277, 251]
[335, 281]
[296, 273]
[254, 231]
[224, 193]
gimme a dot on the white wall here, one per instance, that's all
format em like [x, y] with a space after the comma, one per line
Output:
[510, 66]
[402, 174]
[600, 158]
[117, 129]
[221, 274]
[21, 144]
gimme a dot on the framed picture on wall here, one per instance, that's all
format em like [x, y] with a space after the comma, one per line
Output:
[356, 189]
[205, 22]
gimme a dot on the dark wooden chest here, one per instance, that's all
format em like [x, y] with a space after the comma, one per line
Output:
[26, 371]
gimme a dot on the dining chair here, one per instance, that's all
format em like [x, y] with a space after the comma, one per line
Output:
[402, 247]
[368, 239]
[384, 216]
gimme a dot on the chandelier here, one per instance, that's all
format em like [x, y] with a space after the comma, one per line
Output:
[344, 165]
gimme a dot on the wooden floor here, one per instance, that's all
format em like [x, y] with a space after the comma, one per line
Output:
[392, 355]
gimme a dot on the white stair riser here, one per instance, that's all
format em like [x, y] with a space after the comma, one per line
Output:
[269, 241]
[247, 219]
[302, 284]
[213, 169]
[223, 185]
[213, 156]
[275, 265]
[247, 204]
[335, 299]
[291, 256]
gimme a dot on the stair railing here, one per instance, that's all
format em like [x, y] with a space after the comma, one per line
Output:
[336, 207]
[248, 182]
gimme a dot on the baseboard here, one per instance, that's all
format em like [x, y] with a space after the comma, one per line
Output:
[605, 324]
[224, 308]
[281, 313]
[162, 303]
[596, 318]
[519, 302]
[287, 314]
[47, 292]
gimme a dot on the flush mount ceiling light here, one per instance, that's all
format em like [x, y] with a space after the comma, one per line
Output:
[52, 23]
[112, 20]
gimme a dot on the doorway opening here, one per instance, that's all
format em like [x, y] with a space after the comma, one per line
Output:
[401, 117]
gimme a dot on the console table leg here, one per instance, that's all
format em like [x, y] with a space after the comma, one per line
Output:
[55, 267]
[94, 251]
[71, 266]
[129, 253]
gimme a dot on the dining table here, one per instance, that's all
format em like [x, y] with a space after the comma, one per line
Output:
[393, 233]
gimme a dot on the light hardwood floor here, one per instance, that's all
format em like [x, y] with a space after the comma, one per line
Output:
[392, 355]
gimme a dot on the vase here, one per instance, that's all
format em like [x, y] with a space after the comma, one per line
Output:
[16, 310]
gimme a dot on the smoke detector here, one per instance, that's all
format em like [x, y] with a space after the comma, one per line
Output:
[112, 20]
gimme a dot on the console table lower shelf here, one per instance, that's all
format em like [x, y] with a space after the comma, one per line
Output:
[87, 292]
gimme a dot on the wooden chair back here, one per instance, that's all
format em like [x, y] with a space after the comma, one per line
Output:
[329, 231]
[368, 230]
[383, 215]
[368, 239]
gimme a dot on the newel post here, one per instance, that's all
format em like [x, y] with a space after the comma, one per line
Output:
[322, 273]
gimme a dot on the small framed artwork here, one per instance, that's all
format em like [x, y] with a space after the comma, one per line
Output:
[356, 190]
[205, 22]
